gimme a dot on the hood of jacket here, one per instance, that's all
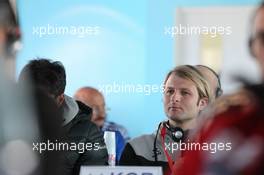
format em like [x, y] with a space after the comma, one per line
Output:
[70, 109]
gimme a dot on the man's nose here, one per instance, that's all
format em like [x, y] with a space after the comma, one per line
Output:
[176, 97]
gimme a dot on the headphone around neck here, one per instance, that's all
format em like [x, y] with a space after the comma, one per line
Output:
[177, 134]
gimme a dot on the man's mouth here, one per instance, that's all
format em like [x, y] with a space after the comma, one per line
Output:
[175, 108]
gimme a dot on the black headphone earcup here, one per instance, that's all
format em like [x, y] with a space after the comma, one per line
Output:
[219, 92]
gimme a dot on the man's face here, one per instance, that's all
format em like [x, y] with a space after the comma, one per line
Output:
[258, 38]
[181, 99]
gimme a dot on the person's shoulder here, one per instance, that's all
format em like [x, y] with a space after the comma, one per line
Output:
[84, 109]
[145, 138]
[110, 125]
[83, 115]
[142, 146]
[116, 125]
[82, 121]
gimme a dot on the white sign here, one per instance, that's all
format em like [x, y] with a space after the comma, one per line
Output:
[110, 141]
[120, 170]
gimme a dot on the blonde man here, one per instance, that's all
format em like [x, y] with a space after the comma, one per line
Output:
[186, 94]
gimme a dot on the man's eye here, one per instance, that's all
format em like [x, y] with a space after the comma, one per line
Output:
[185, 93]
[169, 91]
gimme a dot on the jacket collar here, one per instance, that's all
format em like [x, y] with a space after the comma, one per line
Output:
[70, 109]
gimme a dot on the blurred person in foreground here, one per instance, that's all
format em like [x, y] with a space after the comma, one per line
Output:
[25, 117]
[238, 119]
[77, 128]
[9, 38]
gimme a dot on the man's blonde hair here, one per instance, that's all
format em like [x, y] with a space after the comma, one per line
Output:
[189, 72]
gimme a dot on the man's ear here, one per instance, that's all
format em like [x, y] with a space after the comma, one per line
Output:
[203, 103]
[60, 99]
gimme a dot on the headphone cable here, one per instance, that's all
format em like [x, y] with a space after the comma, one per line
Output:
[155, 143]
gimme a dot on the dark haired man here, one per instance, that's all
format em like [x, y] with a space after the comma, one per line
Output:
[49, 76]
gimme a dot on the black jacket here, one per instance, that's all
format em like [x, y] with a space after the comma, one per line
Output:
[139, 152]
[81, 130]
